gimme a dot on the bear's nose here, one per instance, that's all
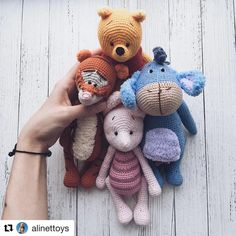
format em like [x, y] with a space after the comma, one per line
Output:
[120, 51]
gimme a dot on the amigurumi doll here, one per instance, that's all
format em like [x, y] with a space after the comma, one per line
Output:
[120, 35]
[129, 172]
[83, 139]
[157, 90]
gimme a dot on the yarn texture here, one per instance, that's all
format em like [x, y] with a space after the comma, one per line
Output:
[157, 90]
[120, 35]
[84, 138]
[124, 170]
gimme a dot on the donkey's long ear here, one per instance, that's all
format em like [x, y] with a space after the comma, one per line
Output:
[128, 91]
[192, 82]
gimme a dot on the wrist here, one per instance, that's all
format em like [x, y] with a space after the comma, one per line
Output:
[29, 144]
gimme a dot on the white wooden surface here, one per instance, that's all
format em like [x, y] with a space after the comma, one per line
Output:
[38, 43]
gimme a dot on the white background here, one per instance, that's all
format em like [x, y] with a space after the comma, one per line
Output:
[38, 43]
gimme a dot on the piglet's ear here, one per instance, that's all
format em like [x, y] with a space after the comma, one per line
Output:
[192, 82]
[104, 12]
[139, 16]
[127, 91]
[138, 113]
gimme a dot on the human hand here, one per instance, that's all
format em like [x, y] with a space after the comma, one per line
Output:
[46, 125]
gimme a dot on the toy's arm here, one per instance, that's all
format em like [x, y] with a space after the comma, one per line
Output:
[153, 186]
[187, 118]
[100, 181]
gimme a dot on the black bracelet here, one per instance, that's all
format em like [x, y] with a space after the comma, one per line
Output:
[13, 152]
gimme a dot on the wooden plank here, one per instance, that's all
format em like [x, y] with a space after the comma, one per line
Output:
[34, 58]
[219, 66]
[161, 209]
[156, 33]
[10, 38]
[63, 45]
[93, 205]
[186, 54]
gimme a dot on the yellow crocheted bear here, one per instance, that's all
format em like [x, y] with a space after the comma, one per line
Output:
[120, 35]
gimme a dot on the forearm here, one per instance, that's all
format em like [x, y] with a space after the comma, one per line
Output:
[26, 195]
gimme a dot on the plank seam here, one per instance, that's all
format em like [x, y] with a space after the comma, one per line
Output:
[20, 74]
[234, 25]
[204, 118]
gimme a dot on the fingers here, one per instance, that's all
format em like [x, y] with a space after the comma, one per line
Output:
[82, 111]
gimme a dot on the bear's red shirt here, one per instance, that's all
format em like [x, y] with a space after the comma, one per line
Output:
[135, 63]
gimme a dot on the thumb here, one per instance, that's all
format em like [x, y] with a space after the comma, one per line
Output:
[83, 111]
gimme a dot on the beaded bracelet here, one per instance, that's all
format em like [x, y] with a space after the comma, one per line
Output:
[13, 152]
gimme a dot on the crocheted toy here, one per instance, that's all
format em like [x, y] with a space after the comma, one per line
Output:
[120, 34]
[129, 172]
[84, 139]
[157, 89]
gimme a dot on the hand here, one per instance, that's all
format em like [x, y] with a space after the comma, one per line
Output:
[154, 189]
[46, 125]
[100, 182]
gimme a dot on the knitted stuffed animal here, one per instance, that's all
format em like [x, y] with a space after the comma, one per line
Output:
[157, 89]
[84, 139]
[129, 172]
[120, 34]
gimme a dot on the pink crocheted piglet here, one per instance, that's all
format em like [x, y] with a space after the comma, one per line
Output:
[129, 172]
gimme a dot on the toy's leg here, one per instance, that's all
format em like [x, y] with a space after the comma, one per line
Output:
[173, 174]
[157, 172]
[124, 213]
[141, 212]
[71, 178]
[89, 177]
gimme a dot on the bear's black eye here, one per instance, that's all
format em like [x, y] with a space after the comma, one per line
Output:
[127, 45]
[162, 70]
[112, 44]
[131, 132]
[116, 133]
[150, 71]
[89, 82]
[95, 85]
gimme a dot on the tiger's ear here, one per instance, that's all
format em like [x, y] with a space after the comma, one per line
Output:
[83, 55]
[104, 12]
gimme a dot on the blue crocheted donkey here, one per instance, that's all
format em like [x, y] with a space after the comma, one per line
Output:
[157, 90]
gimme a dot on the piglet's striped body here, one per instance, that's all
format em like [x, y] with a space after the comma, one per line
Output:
[125, 173]
[124, 170]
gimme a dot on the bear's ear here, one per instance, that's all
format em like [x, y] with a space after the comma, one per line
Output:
[192, 82]
[128, 90]
[139, 16]
[104, 12]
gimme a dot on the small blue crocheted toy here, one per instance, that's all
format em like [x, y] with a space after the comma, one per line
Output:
[157, 90]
